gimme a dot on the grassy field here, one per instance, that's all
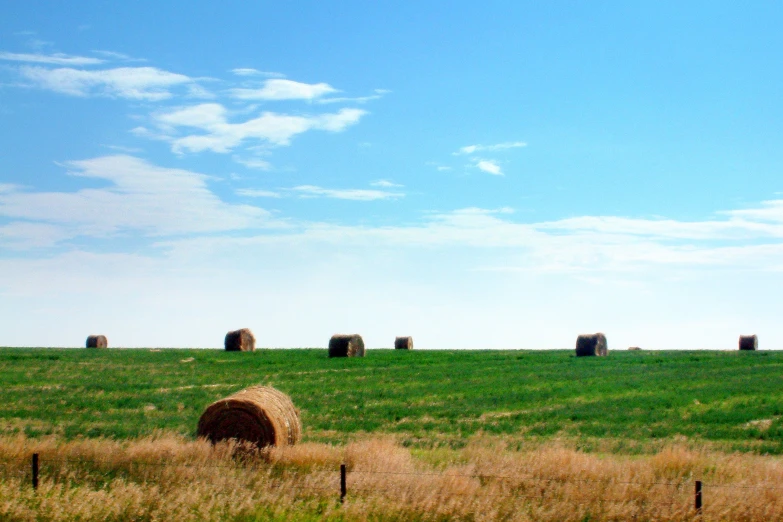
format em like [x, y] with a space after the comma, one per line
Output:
[629, 402]
[172, 478]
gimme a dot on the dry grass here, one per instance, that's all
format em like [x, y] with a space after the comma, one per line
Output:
[167, 477]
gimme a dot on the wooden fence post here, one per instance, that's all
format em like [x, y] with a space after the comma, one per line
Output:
[35, 471]
[698, 497]
[343, 488]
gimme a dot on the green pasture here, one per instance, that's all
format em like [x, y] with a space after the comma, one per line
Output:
[627, 401]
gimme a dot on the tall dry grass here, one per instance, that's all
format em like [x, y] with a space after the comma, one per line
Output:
[167, 477]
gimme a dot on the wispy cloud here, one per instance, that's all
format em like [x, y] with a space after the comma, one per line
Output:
[385, 184]
[222, 136]
[438, 166]
[312, 191]
[51, 59]
[379, 93]
[20, 235]
[112, 55]
[586, 244]
[138, 83]
[247, 71]
[278, 89]
[472, 149]
[253, 163]
[141, 197]
[770, 211]
[255, 193]
[490, 167]
[122, 148]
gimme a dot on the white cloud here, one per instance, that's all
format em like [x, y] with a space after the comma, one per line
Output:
[52, 59]
[255, 193]
[312, 191]
[247, 71]
[490, 167]
[278, 89]
[197, 91]
[472, 149]
[20, 235]
[438, 166]
[117, 56]
[253, 163]
[138, 83]
[379, 93]
[770, 211]
[269, 128]
[385, 184]
[348, 99]
[122, 148]
[467, 268]
[140, 197]
[587, 244]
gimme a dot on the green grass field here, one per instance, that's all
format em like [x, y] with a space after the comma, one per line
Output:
[627, 402]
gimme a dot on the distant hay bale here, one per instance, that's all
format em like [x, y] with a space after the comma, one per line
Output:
[240, 341]
[634, 348]
[260, 415]
[403, 343]
[591, 344]
[748, 342]
[351, 345]
[97, 341]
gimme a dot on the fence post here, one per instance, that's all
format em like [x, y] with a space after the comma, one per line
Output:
[698, 497]
[343, 488]
[35, 471]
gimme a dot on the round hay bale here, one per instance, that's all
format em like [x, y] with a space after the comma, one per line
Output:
[260, 415]
[351, 345]
[748, 342]
[403, 343]
[591, 344]
[634, 349]
[97, 341]
[240, 341]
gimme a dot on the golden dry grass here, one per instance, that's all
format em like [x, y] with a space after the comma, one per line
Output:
[168, 477]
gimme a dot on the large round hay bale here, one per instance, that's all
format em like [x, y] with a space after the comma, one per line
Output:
[240, 341]
[97, 341]
[260, 415]
[748, 342]
[591, 344]
[403, 343]
[351, 345]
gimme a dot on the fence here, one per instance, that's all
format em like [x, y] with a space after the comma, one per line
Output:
[342, 490]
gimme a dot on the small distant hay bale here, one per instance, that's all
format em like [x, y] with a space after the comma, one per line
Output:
[748, 342]
[240, 341]
[591, 344]
[634, 348]
[259, 415]
[403, 343]
[97, 341]
[350, 345]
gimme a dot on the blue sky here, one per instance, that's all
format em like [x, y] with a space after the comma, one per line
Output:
[499, 175]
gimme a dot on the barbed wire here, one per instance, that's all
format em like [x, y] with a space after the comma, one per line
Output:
[523, 477]
[277, 473]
